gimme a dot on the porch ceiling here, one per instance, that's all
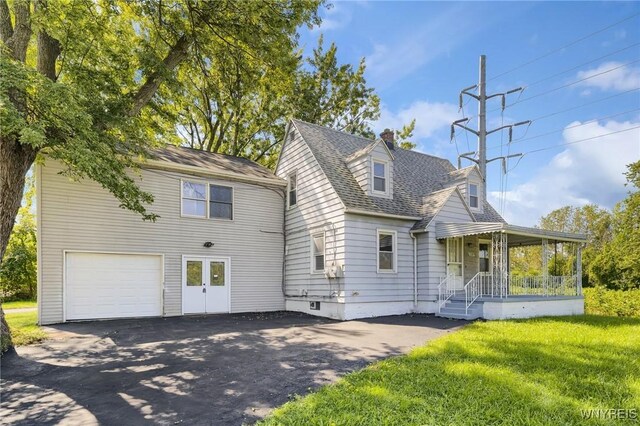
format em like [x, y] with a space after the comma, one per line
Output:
[518, 235]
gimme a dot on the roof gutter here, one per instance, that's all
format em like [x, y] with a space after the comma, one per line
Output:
[156, 164]
[379, 214]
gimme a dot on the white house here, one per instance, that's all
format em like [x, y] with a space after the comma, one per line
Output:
[372, 229]
[346, 228]
[216, 248]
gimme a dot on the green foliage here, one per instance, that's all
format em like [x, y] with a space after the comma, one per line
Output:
[621, 303]
[403, 135]
[534, 372]
[18, 268]
[19, 304]
[24, 328]
[617, 265]
[111, 60]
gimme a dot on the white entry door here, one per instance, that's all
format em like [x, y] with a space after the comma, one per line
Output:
[454, 262]
[205, 285]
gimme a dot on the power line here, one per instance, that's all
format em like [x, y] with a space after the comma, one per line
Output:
[551, 52]
[571, 127]
[581, 65]
[581, 140]
[584, 104]
[571, 83]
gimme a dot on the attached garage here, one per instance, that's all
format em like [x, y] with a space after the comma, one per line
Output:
[107, 285]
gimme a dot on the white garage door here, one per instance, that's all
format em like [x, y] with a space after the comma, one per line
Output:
[100, 285]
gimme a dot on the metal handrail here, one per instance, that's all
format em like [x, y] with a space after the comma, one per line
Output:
[444, 291]
[472, 290]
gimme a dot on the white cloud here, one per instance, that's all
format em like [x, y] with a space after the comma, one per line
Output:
[624, 78]
[430, 117]
[585, 172]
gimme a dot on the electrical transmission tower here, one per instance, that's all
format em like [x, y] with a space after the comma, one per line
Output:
[480, 156]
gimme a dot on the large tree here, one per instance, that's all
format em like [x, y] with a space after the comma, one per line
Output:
[241, 109]
[617, 265]
[81, 79]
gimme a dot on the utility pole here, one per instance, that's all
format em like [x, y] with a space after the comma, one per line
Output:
[482, 122]
[480, 156]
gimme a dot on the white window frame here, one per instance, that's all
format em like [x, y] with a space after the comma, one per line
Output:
[313, 254]
[292, 173]
[233, 202]
[394, 242]
[477, 185]
[387, 182]
[207, 200]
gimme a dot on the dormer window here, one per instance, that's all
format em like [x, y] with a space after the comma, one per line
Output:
[380, 177]
[474, 201]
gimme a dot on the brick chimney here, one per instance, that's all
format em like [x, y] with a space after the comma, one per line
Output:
[387, 136]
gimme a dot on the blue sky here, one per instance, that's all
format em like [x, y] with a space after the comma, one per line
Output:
[421, 54]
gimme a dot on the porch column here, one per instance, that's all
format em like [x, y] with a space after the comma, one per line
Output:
[579, 270]
[499, 271]
[545, 264]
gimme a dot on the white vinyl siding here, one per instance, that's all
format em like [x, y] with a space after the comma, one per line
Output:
[362, 281]
[432, 254]
[319, 209]
[81, 216]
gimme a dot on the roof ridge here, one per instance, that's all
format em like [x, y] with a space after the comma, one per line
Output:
[334, 130]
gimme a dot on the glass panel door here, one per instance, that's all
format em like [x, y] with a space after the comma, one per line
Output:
[194, 286]
[217, 288]
[454, 262]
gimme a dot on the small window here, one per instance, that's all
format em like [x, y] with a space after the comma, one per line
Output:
[483, 256]
[220, 202]
[216, 274]
[194, 199]
[386, 251]
[379, 177]
[194, 273]
[293, 189]
[317, 252]
[473, 195]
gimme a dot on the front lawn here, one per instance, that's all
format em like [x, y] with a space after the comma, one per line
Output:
[19, 304]
[24, 327]
[529, 372]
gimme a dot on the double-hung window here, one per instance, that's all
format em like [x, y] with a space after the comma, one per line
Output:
[194, 199]
[379, 176]
[220, 202]
[317, 252]
[293, 189]
[473, 196]
[204, 200]
[386, 251]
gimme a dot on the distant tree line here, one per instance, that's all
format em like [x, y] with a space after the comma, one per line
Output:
[611, 257]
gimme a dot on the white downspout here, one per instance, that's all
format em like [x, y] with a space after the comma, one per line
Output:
[415, 270]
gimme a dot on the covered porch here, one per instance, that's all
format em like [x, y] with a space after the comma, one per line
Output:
[479, 276]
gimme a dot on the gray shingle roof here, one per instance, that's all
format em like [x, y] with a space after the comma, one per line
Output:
[418, 178]
[213, 162]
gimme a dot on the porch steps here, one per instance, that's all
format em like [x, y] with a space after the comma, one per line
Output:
[454, 308]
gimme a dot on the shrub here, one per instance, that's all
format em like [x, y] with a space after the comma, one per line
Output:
[621, 303]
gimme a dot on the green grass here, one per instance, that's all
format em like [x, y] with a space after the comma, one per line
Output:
[541, 371]
[24, 328]
[20, 304]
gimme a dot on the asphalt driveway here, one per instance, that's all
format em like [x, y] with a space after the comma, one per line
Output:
[223, 369]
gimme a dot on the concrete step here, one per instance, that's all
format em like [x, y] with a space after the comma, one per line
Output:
[458, 311]
[458, 316]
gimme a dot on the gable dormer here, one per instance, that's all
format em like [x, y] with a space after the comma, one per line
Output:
[372, 168]
[470, 184]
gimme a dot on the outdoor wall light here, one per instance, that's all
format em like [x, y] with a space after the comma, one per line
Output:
[208, 244]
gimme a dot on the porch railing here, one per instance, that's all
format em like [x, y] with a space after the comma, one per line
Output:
[484, 284]
[446, 289]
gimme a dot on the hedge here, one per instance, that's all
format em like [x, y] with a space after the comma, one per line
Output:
[620, 303]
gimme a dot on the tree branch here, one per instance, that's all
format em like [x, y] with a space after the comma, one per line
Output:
[19, 41]
[48, 50]
[177, 54]
[6, 27]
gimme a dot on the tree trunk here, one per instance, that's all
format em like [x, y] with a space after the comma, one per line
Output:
[15, 161]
